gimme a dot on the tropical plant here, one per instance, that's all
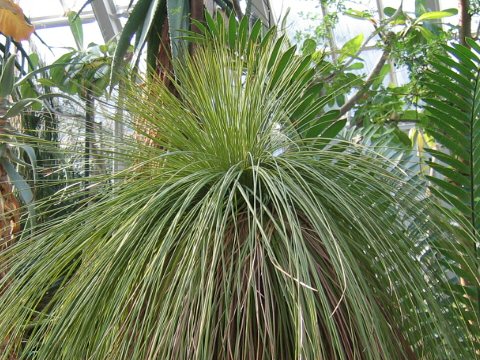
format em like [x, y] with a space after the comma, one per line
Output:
[159, 26]
[85, 72]
[453, 119]
[13, 26]
[406, 41]
[237, 237]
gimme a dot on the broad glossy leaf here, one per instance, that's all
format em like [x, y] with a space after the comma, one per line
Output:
[309, 47]
[22, 186]
[433, 15]
[351, 47]
[283, 64]
[327, 126]
[232, 30]
[275, 51]
[20, 106]
[76, 27]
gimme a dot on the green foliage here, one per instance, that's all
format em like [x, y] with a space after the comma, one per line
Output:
[236, 237]
[308, 120]
[7, 77]
[12, 145]
[83, 69]
[454, 121]
[409, 41]
[147, 23]
[178, 12]
[77, 71]
[351, 47]
[76, 28]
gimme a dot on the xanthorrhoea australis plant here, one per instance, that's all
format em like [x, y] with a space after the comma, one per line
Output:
[238, 236]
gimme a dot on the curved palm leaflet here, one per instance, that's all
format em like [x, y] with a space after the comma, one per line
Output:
[454, 121]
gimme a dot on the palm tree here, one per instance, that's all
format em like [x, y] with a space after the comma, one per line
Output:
[239, 237]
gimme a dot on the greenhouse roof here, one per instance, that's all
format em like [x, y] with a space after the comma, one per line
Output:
[103, 19]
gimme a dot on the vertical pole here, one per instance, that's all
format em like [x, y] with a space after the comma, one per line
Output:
[465, 22]
[391, 73]
[330, 34]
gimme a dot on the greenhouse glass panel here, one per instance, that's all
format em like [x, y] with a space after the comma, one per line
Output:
[42, 9]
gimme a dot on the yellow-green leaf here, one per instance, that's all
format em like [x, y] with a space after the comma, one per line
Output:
[433, 15]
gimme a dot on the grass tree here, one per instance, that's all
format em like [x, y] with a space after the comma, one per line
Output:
[240, 234]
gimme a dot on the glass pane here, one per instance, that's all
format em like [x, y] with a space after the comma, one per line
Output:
[122, 2]
[348, 27]
[40, 9]
[60, 40]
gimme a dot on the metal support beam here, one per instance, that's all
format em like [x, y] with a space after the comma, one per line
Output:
[262, 10]
[107, 17]
[210, 6]
[48, 22]
[432, 5]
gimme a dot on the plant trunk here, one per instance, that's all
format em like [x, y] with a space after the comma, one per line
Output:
[465, 21]
[164, 57]
[196, 12]
[9, 228]
[9, 205]
[368, 82]
[9, 212]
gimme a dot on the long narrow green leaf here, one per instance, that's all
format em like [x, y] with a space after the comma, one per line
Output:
[151, 18]
[7, 78]
[19, 182]
[76, 28]
[134, 22]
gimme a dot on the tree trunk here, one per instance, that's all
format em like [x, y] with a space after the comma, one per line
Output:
[465, 21]
[164, 57]
[196, 12]
[9, 212]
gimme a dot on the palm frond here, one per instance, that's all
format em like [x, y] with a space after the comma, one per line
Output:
[454, 121]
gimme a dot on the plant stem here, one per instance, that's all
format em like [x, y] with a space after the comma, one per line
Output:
[465, 21]
[371, 78]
